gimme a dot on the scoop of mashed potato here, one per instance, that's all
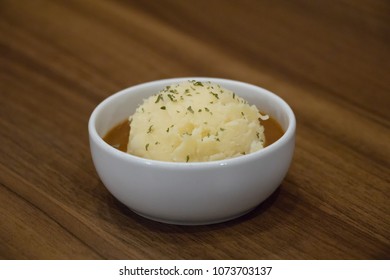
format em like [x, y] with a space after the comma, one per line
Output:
[194, 122]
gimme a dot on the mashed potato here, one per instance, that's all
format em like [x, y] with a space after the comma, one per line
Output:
[195, 121]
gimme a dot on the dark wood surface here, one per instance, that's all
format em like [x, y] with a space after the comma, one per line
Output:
[328, 59]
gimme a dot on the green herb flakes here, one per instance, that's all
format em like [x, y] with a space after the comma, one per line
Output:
[198, 84]
[171, 97]
[190, 109]
[215, 94]
[159, 97]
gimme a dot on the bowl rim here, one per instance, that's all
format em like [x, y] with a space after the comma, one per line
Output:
[94, 136]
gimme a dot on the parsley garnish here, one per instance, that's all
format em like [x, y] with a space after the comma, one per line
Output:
[159, 97]
[198, 84]
[207, 110]
[169, 128]
[171, 97]
[215, 94]
[190, 109]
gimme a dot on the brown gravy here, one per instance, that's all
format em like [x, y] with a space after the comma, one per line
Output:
[272, 131]
[118, 136]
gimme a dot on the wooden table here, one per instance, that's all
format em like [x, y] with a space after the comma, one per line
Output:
[328, 59]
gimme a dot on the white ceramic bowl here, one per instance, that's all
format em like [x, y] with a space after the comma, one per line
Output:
[191, 193]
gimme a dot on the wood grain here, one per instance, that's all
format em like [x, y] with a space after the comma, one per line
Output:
[329, 61]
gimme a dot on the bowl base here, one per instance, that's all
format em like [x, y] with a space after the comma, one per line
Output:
[193, 223]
